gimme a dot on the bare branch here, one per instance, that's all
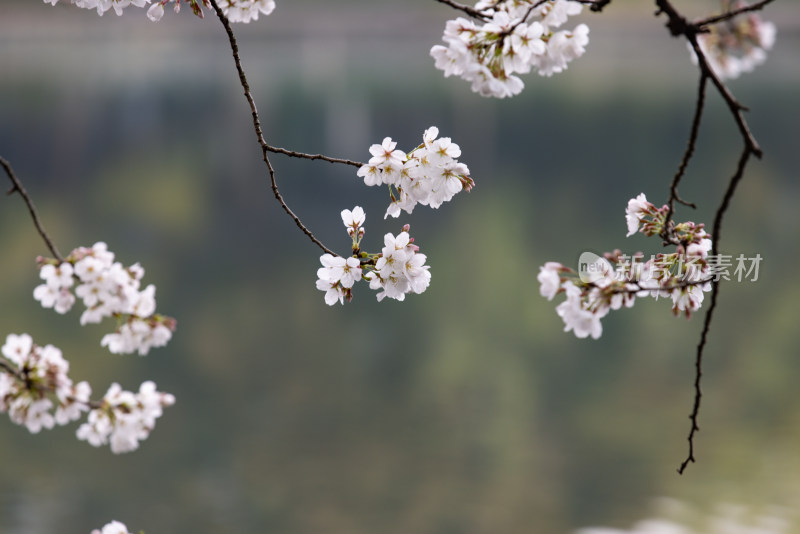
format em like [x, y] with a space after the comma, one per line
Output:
[730, 14]
[294, 154]
[687, 155]
[735, 107]
[698, 365]
[266, 148]
[10, 369]
[717, 230]
[19, 188]
[679, 26]
[22, 376]
[690, 146]
[595, 5]
[472, 12]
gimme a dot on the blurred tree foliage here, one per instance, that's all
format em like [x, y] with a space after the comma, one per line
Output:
[462, 410]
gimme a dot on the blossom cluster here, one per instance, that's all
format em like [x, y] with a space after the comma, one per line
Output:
[36, 392]
[115, 527]
[397, 270]
[615, 280]
[124, 418]
[738, 45]
[726, 519]
[516, 37]
[34, 387]
[246, 10]
[235, 10]
[429, 175]
[107, 289]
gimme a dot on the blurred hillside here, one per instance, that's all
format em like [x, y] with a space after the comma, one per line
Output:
[462, 410]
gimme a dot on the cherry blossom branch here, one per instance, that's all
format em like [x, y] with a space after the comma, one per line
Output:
[730, 14]
[678, 285]
[710, 313]
[523, 19]
[265, 147]
[10, 369]
[472, 12]
[19, 188]
[21, 375]
[679, 26]
[595, 5]
[736, 108]
[303, 155]
[687, 155]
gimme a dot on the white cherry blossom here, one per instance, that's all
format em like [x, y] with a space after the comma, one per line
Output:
[114, 527]
[519, 36]
[637, 208]
[429, 175]
[106, 288]
[550, 279]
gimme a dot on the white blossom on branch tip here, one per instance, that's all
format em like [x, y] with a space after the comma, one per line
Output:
[107, 289]
[398, 269]
[508, 43]
[235, 10]
[636, 210]
[114, 527]
[614, 280]
[124, 418]
[34, 382]
[36, 391]
[735, 46]
[429, 175]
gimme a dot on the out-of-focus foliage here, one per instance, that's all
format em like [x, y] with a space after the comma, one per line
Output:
[464, 409]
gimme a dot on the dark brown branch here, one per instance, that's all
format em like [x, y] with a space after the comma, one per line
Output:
[687, 155]
[10, 369]
[266, 148]
[717, 230]
[698, 374]
[472, 12]
[19, 188]
[679, 26]
[730, 14]
[303, 155]
[678, 285]
[723, 207]
[735, 107]
[595, 5]
[524, 18]
[22, 376]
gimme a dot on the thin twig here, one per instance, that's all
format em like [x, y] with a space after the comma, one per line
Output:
[723, 207]
[679, 26]
[10, 369]
[472, 12]
[687, 155]
[730, 14]
[19, 188]
[717, 230]
[595, 5]
[735, 107]
[698, 365]
[265, 148]
[683, 284]
[22, 376]
[303, 155]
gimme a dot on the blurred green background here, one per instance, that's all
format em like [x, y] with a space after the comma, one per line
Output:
[462, 410]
